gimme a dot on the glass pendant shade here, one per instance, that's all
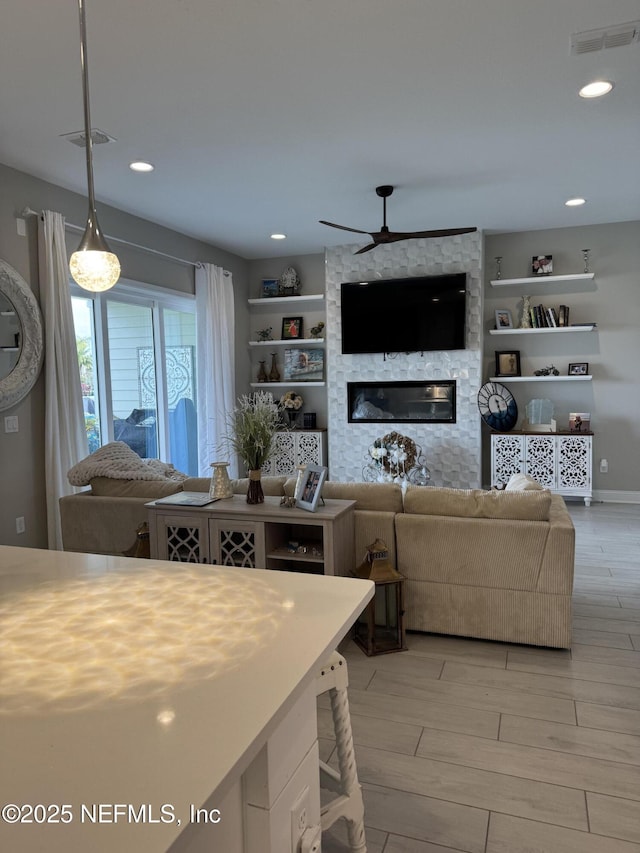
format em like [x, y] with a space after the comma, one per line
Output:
[93, 266]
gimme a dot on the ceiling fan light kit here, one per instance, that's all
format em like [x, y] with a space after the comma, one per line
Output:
[384, 236]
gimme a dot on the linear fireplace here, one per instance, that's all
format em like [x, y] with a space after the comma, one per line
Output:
[402, 402]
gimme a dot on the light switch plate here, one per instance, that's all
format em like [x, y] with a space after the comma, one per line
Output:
[11, 423]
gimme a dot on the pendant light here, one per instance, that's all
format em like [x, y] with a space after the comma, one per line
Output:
[93, 265]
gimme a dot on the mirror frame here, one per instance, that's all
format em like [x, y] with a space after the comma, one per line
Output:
[17, 384]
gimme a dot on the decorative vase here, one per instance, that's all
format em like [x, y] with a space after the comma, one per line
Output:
[297, 491]
[255, 495]
[220, 484]
[525, 322]
[262, 373]
[292, 417]
[274, 373]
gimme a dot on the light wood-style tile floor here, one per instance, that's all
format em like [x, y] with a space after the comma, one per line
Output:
[484, 747]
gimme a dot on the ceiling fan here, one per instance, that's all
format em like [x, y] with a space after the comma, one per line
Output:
[386, 236]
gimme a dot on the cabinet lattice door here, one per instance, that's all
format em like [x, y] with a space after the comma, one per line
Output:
[183, 540]
[237, 544]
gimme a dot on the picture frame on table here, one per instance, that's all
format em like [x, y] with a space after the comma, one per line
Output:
[578, 368]
[270, 288]
[508, 363]
[579, 421]
[313, 477]
[291, 328]
[503, 319]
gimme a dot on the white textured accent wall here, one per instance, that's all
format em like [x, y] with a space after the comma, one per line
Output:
[452, 451]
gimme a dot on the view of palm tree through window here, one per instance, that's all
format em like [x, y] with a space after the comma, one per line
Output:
[137, 370]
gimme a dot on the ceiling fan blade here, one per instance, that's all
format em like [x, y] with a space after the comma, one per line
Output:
[342, 227]
[444, 232]
[366, 248]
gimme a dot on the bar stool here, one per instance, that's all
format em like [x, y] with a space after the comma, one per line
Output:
[348, 803]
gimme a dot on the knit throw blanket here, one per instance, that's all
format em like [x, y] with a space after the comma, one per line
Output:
[119, 461]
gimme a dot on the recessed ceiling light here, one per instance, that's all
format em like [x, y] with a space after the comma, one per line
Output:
[141, 166]
[278, 236]
[575, 202]
[596, 89]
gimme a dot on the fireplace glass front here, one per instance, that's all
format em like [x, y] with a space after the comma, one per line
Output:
[402, 402]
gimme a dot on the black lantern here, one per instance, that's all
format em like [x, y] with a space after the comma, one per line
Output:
[380, 628]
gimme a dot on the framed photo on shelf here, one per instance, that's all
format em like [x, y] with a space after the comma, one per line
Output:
[503, 319]
[313, 477]
[579, 368]
[579, 421]
[291, 328]
[269, 288]
[542, 264]
[303, 365]
[508, 363]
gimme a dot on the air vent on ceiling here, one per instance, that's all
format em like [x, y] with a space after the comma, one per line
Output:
[592, 40]
[98, 137]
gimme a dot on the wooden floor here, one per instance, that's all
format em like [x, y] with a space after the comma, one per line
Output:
[486, 747]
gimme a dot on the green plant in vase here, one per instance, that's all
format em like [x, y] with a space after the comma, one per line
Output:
[252, 426]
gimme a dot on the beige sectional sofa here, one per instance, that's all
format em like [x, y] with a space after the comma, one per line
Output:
[492, 565]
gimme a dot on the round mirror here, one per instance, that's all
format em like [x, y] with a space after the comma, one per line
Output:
[21, 342]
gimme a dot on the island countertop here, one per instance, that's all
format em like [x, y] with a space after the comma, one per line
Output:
[149, 683]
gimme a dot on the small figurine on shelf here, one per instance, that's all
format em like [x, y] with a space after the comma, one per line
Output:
[316, 331]
[547, 371]
[265, 334]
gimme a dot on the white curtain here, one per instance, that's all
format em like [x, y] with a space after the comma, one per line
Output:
[65, 435]
[215, 353]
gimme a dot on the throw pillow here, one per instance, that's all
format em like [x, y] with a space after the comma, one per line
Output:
[523, 483]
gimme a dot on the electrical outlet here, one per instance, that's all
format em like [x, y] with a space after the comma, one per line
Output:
[299, 818]
[11, 423]
[604, 466]
[20, 525]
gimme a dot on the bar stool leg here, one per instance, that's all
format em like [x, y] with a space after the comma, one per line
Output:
[353, 810]
[348, 804]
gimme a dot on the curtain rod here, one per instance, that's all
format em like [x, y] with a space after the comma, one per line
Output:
[28, 211]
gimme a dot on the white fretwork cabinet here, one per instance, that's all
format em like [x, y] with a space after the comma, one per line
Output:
[561, 463]
[296, 447]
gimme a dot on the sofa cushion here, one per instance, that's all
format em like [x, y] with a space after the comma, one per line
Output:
[522, 483]
[272, 486]
[151, 489]
[476, 503]
[383, 497]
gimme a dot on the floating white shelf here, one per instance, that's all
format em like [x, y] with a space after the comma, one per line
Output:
[542, 279]
[267, 385]
[10, 349]
[506, 379]
[295, 342]
[288, 300]
[588, 327]
[7, 313]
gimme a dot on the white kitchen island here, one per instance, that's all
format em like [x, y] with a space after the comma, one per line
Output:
[148, 706]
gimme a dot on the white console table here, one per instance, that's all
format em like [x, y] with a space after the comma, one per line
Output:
[561, 462]
[178, 690]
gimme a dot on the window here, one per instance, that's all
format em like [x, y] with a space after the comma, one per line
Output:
[136, 351]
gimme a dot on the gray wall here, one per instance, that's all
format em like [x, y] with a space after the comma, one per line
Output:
[613, 351]
[21, 453]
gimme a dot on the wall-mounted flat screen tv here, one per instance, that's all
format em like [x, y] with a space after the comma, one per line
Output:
[404, 314]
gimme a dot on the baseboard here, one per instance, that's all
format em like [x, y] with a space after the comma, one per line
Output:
[613, 496]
